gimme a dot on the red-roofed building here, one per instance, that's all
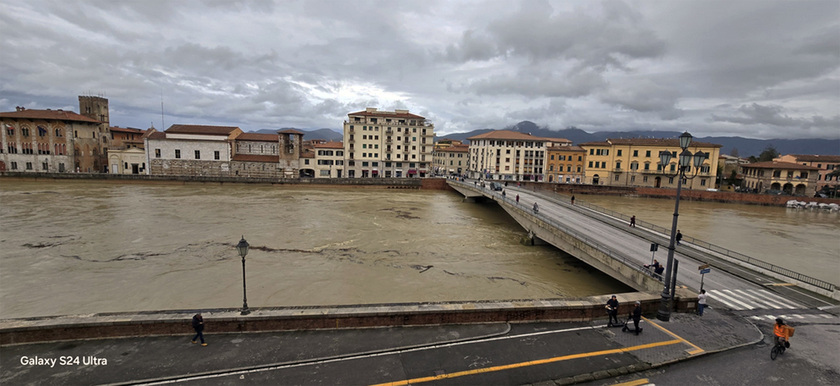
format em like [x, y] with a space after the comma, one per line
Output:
[55, 141]
[635, 162]
[451, 159]
[126, 154]
[328, 159]
[828, 165]
[780, 177]
[510, 155]
[388, 144]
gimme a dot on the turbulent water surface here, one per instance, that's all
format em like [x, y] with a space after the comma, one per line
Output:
[79, 247]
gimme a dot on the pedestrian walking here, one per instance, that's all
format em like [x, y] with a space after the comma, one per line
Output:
[573, 199]
[633, 221]
[701, 302]
[612, 311]
[198, 326]
[637, 316]
[679, 236]
[517, 199]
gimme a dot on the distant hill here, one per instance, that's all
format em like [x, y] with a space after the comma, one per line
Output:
[745, 146]
[325, 134]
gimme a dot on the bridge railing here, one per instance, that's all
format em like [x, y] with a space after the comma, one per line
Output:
[603, 248]
[717, 249]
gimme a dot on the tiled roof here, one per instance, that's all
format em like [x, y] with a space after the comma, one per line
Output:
[201, 129]
[816, 158]
[256, 158]
[573, 148]
[329, 145]
[386, 114]
[126, 130]
[60, 115]
[779, 165]
[663, 142]
[157, 135]
[258, 137]
[509, 135]
[290, 131]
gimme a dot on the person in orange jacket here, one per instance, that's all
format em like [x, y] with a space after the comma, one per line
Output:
[780, 331]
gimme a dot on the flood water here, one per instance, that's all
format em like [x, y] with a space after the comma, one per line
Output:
[79, 247]
[803, 240]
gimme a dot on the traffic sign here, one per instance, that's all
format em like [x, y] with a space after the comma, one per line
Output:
[704, 271]
[704, 266]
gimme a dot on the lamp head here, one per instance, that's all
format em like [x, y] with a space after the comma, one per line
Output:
[664, 158]
[242, 247]
[685, 140]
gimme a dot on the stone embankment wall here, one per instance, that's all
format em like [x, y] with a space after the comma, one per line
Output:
[381, 183]
[699, 195]
[156, 323]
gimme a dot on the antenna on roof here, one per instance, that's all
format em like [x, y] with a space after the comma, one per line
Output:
[162, 125]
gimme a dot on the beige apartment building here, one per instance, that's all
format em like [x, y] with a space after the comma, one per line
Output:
[126, 154]
[825, 163]
[635, 162]
[780, 177]
[390, 144]
[510, 155]
[328, 158]
[451, 160]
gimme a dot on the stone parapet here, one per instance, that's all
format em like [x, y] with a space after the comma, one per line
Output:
[177, 322]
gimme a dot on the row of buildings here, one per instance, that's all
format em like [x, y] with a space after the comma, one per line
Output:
[376, 144]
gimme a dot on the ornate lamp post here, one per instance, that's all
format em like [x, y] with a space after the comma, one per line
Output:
[686, 156]
[242, 247]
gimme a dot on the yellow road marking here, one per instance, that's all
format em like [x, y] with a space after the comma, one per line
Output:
[530, 363]
[636, 382]
[782, 284]
[697, 350]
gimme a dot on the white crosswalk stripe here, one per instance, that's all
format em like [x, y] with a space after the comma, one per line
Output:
[747, 299]
[792, 317]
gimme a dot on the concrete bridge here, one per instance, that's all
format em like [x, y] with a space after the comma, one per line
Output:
[607, 243]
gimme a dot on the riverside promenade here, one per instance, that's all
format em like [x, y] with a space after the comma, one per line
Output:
[544, 352]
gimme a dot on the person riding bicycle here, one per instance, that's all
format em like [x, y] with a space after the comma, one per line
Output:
[780, 332]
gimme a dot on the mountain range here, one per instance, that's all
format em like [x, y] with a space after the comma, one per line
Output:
[744, 147]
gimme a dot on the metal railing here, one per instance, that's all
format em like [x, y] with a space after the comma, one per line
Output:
[716, 248]
[603, 248]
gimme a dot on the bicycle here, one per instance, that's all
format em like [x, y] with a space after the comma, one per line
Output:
[778, 348]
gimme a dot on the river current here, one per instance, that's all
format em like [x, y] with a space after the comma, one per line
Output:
[80, 247]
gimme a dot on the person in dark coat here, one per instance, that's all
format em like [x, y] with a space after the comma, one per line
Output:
[612, 311]
[679, 236]
[198, 326]
[637, 316]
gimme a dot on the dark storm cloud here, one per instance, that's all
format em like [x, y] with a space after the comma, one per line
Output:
[754, 68]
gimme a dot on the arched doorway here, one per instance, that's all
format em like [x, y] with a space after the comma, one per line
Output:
[657, 182]
[595, 179]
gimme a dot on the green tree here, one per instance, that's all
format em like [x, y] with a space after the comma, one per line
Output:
[768, 154]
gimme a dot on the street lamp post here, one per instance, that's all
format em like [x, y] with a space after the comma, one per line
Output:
[242, 247]
[685, 159]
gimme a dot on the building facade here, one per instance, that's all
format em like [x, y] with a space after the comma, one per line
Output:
[451, 160]
[191, 150]
[50, 141]
[387, 144]
[510, 155]
[126, 154]
[566, 164]
[826, 180]
[329, 159]
[635, 162]
[780, 177]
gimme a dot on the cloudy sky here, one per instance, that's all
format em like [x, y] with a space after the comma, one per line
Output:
[755, 68]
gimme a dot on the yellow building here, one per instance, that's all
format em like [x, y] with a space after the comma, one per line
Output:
[387, 144]
[825, 163]
[635, 162]
[566, 164]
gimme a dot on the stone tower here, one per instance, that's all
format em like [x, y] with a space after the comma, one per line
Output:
[94, 107]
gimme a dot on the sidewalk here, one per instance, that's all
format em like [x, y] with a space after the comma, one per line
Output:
[301, 357]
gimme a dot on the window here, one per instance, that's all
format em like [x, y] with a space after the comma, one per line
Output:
[619, 152]
[647, 153]
[45, 166]
[198, 154]
[157, 153]
[10, 130]
[635, 153]
[216, 155]
[24, 131]
[29, 166]
[177, 153]
[13, 165]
